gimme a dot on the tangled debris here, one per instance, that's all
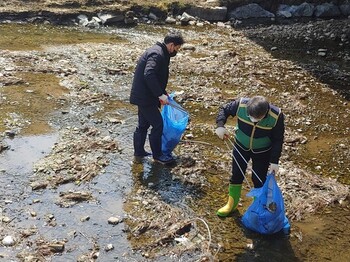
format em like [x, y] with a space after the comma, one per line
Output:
[68, 199]
[80, 158]
[306, 193]
[159, 228]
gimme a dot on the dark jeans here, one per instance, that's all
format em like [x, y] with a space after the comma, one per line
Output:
[148, 116]
[260, 165]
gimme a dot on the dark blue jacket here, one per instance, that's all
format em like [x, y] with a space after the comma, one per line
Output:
[151, 76]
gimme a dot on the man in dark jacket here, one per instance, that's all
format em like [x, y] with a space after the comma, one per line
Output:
[259, 136]
[148, 92]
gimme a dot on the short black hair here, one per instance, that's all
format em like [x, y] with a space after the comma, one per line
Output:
[174, 37]
[257, 106]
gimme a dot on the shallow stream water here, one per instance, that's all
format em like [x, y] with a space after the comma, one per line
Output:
[317, 238]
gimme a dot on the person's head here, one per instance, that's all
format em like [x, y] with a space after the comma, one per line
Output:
[257, 108]
[173, 41]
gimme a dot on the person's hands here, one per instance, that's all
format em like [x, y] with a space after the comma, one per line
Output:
[163, 99]
[221, 132]
[273, 168]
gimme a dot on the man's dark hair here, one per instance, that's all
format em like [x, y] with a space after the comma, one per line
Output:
[174, 37]
[257, 106]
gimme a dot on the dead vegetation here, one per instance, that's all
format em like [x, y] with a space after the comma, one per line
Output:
[81, 158]
[161, 229]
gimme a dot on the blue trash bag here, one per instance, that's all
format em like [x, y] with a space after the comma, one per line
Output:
[175, 120]
[266, 215]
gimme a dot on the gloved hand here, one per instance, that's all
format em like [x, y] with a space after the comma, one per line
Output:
[221, 132]
[273, 168]
[163, 99]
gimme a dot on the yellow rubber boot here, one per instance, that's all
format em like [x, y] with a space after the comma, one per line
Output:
[234, 193]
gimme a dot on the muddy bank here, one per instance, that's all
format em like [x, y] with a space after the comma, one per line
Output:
[87, 175]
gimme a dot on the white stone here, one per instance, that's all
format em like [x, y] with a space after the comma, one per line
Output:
[8, 241]
[114, 220]
[109, 247]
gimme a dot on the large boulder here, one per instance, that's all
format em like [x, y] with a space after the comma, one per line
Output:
[304, 10]
[285, 11]
[209, 13]
[345, 9]
[250, 11]
[111, 18]
[327, 10]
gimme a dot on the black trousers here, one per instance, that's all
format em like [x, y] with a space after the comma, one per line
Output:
[149, 116]
[260, 165]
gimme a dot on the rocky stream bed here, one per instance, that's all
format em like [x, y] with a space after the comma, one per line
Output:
[82, 197]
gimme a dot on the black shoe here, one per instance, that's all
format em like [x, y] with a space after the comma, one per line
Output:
[144, 154]
[164, 159]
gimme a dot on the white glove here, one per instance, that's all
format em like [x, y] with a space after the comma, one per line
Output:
[221, 132]
[273, 168]
[163, 99]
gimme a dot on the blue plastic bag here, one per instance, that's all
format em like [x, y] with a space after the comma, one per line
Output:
[175, 120]
[266, 215]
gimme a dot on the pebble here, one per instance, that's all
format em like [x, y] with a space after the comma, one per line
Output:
[250, 246]
[5, 219]
[8, 241]
[85, 218]
[114, 220]
[109, 247]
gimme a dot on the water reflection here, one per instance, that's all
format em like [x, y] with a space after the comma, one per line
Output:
[160, 178]
[24, 151]
[273, 248]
